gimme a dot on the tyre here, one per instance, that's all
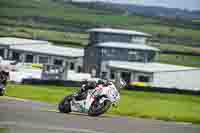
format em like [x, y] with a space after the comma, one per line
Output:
[2, 92]
[64, 106]
[97, 109]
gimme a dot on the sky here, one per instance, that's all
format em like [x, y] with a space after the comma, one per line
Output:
[182, 4]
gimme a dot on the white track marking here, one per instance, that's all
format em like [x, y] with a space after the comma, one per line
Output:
[14, 98]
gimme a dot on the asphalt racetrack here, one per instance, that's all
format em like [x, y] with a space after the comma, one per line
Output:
[21, 116]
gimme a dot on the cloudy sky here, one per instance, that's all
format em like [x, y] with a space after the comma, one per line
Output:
[187, 4]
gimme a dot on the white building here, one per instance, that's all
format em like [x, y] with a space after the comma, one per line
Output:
[42, 52]
[157, 74]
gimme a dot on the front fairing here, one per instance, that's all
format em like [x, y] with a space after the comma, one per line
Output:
[113, 94]
[83, 105]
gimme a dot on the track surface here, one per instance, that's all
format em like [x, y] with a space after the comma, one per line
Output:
[20, 116]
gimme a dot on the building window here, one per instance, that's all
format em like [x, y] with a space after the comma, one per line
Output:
[138, 39]
[112, 74]
[72, 66]
[109, 52]
[93, 72]
[79, 69]
[58, 62]
[107, 37]
[43, 60]
[16, 56]
[151, 56]
[138, 56]
[104, 75]
[2, 53]
[29, 58]
[132, 55]
[126, 76]
[104, 52]
[144, 78]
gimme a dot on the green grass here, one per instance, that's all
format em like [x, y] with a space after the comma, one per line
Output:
[165, 30]
[196, 21]
[64, 37]
[177, 48]
[170, 107]
[50, 94]
[176, 59]
[4, 130]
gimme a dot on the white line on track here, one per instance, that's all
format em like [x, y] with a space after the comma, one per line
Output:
[14, 98]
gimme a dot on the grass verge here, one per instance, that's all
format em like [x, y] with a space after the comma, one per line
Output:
[170, 107]
[4, 130]
[177, 59]
[177, 48]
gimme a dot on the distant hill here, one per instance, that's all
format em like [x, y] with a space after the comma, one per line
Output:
[162, 11]
[143, 10]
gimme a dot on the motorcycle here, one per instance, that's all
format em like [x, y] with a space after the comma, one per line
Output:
[94, 102]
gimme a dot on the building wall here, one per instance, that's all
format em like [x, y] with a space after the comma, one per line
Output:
[136, 76]
[51, 58]
[78, 64]
[114, 54]
[92, 60]
[133, 75]
[97, 57]
[178, 79]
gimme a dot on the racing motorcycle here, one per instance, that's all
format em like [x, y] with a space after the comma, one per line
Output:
[95, 101]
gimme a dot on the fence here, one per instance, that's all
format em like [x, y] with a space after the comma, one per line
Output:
[52, 82]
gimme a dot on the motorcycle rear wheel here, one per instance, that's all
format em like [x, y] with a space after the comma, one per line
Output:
[64, 106]
[94, 111]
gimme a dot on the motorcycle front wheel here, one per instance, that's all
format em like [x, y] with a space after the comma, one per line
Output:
[64, 106]
[97, 109]
[2, 92]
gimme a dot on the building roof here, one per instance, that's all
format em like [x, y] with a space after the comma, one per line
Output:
[50, 49]
[148, 67]
[119, 31]
[126, 46]
[15, 41]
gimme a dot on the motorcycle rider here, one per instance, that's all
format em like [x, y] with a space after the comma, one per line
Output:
[88, 85]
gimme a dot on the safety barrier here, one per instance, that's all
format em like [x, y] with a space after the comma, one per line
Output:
[164, 90]
[52, 82]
